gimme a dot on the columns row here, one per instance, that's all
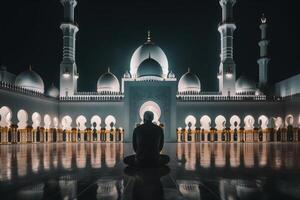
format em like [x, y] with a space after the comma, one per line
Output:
[239, 135]
[31, 135]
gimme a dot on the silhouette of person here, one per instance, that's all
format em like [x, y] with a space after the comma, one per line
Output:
[148, 141]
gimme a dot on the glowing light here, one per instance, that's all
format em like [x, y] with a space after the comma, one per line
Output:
[5, 116]
[249, 122]
[263, 19]
[36, 119]
[66, 122]
[190, 120]
[80, 121]
[22, 117]
[263, 121]
[220, 122]
[153, 107]
[97, 120]
[235, 119]
[205, 122]
[229, 75]
[66, 74]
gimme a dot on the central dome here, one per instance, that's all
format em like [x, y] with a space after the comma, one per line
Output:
[142, 53]
[108, 82]
[149, 68]
[30, 80]
[189, 82]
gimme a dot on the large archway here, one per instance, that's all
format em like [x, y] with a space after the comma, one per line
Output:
[36, 119]
[23, 118]
[153, 107]
[66, 122]
[205, 122]
[5, 116]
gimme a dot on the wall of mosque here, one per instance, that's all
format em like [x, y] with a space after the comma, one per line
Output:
[291, 109]
[17, 102]
[107, 112]
[113, 117]
[288, 86]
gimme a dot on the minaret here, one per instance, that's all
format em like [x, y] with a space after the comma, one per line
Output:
[68, 68]
[227, 72]
[263, 61]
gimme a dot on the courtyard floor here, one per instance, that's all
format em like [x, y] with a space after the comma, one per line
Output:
[196, 171]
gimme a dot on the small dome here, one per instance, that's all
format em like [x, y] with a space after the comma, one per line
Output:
[258, 92]
[171, 75]
[108, 82]
[150, 68]
[30, 80]
[127, 75]
[244, 84]
[52, 91]
[6, 76]
[142, 53]
[189, 82]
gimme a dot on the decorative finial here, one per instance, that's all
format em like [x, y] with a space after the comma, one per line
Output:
[189, 69]
[30, 68]
[149, 36]
[108, 69]
[149, 55]
[263, 19]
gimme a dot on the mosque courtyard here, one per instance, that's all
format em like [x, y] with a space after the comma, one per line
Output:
[197, 171]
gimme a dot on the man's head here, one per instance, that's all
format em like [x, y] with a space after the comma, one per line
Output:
[148, 117]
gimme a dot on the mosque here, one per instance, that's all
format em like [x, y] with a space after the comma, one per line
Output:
[242, 110]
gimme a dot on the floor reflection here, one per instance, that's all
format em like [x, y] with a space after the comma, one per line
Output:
[197, 171]
[218, 155]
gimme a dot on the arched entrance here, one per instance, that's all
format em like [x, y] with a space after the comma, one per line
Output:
[153, 107]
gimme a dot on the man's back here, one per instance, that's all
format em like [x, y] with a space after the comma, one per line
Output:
[148, 140]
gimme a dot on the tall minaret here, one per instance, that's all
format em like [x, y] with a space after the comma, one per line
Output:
[68, 68]
[227, 73]
[263, 61]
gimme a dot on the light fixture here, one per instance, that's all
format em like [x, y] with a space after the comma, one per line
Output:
[229, 75]
[66, 74]
[76, 75]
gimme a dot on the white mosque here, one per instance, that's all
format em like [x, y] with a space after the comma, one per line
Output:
[242, 110]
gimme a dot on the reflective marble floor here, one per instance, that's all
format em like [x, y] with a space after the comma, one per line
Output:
[196, 171]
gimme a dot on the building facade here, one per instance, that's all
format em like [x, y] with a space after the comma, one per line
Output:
[242, 110]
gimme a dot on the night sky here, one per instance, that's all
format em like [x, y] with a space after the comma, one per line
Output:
[110, 31]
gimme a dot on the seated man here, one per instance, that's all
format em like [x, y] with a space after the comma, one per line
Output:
[148, 141]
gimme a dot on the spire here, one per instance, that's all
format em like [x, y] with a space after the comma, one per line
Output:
[263, 19]
[108, 69]
[30, 67]
[264, 60]
[149, 55]
[189, 70]
[227, 66]
[148, 36]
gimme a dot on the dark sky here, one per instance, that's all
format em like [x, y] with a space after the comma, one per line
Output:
[111, 30]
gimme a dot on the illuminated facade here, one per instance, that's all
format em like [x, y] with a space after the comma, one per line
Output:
[242, 110]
